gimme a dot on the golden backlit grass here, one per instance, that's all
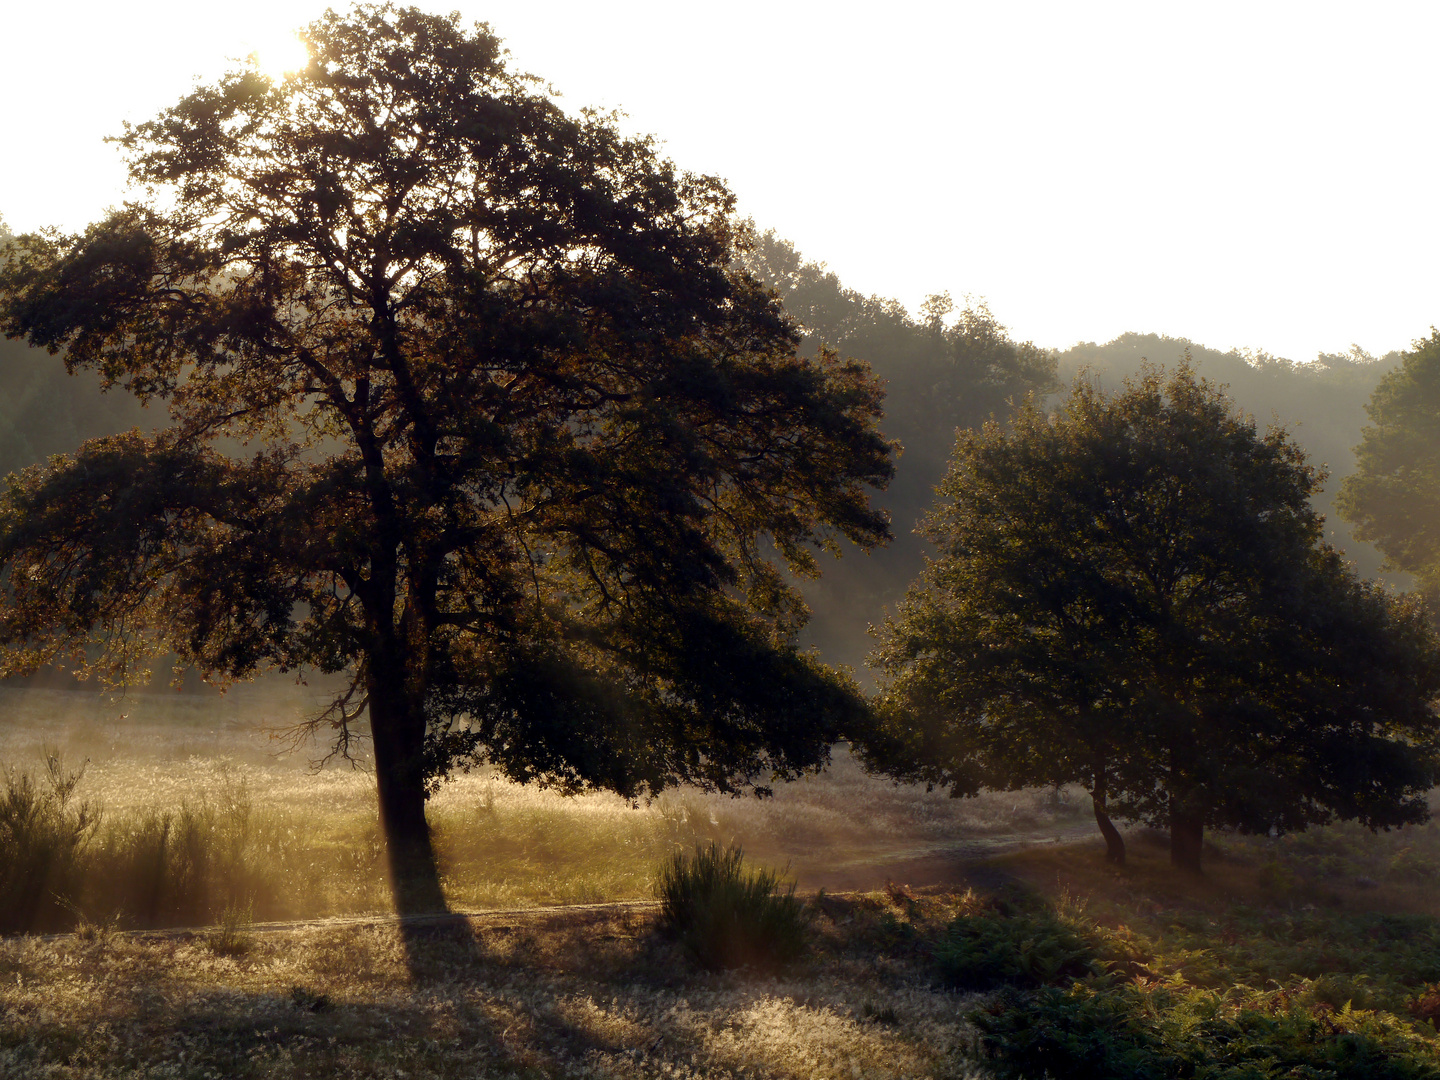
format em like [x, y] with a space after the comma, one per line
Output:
[289, 842]
[601, 993]
[273, 836]
[562, 994]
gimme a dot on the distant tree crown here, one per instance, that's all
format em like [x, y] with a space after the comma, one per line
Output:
[1132, 593]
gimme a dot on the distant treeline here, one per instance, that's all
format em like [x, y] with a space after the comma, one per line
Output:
[946, 369]
[943, 369]
[46, 411]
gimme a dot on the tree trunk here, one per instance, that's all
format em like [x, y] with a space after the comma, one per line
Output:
[399, 737]
[1187, 833]
[1114, 842]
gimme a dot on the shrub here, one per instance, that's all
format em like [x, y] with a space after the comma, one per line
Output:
[1276, 877]
[728, 916]
[1426, 1005]
[1096, 1030]
[981, 952]
[61, 867]
[44, 833]
[1412, 864]
[181, 866]
[231, 937]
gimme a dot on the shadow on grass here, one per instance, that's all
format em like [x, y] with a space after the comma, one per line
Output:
[492, 999]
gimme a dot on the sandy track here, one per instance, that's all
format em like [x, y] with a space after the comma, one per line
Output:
[944, 863]
[955, 864]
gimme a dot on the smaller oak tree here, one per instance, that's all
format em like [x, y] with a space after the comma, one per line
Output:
[1133, 594]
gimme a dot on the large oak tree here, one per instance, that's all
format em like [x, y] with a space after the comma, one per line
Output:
[471, 403]
[1133, 594]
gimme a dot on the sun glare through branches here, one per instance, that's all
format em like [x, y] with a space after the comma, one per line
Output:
[278, 53]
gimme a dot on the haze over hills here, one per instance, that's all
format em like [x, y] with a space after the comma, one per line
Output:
[1321, 402]
[946, 367]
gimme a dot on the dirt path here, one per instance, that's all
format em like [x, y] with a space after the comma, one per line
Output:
[957, 863]
[961, 863]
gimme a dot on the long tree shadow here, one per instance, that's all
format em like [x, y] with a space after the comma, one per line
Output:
[422, 912]
[433, 941]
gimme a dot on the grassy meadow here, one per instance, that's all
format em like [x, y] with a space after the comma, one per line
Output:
[192, 811]
[1307, 956]
[1048, 964]
[547, 993]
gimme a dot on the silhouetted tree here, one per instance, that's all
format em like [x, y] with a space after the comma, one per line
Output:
[1133, 594]
[1394, 495]
[525, 441]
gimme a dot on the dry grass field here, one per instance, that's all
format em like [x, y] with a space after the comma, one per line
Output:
[262, 831]
[600, 992]
[549, 994]
[1312, 956]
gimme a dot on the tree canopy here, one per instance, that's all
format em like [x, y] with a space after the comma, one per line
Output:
[1321, 402]
[939, 373]
[471, 402]
[1394, 495]
[1133, 594]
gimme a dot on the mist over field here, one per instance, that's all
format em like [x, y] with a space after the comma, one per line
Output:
[159, 750]
[955, 372]
[254, 824]
[475, 602]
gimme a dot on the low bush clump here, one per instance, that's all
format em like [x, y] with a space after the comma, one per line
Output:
[1101, 1029]
[1246, 994]
[982, 952]
[231, 937]
[728, 916]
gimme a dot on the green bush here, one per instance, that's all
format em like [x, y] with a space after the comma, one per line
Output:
[1100, 1030]
[1080, 1001]
[1259, 946]
[981, 952]
[728, 916]
[1276, 877]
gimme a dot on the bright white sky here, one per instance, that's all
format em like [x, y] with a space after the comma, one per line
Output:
[1253, 174]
